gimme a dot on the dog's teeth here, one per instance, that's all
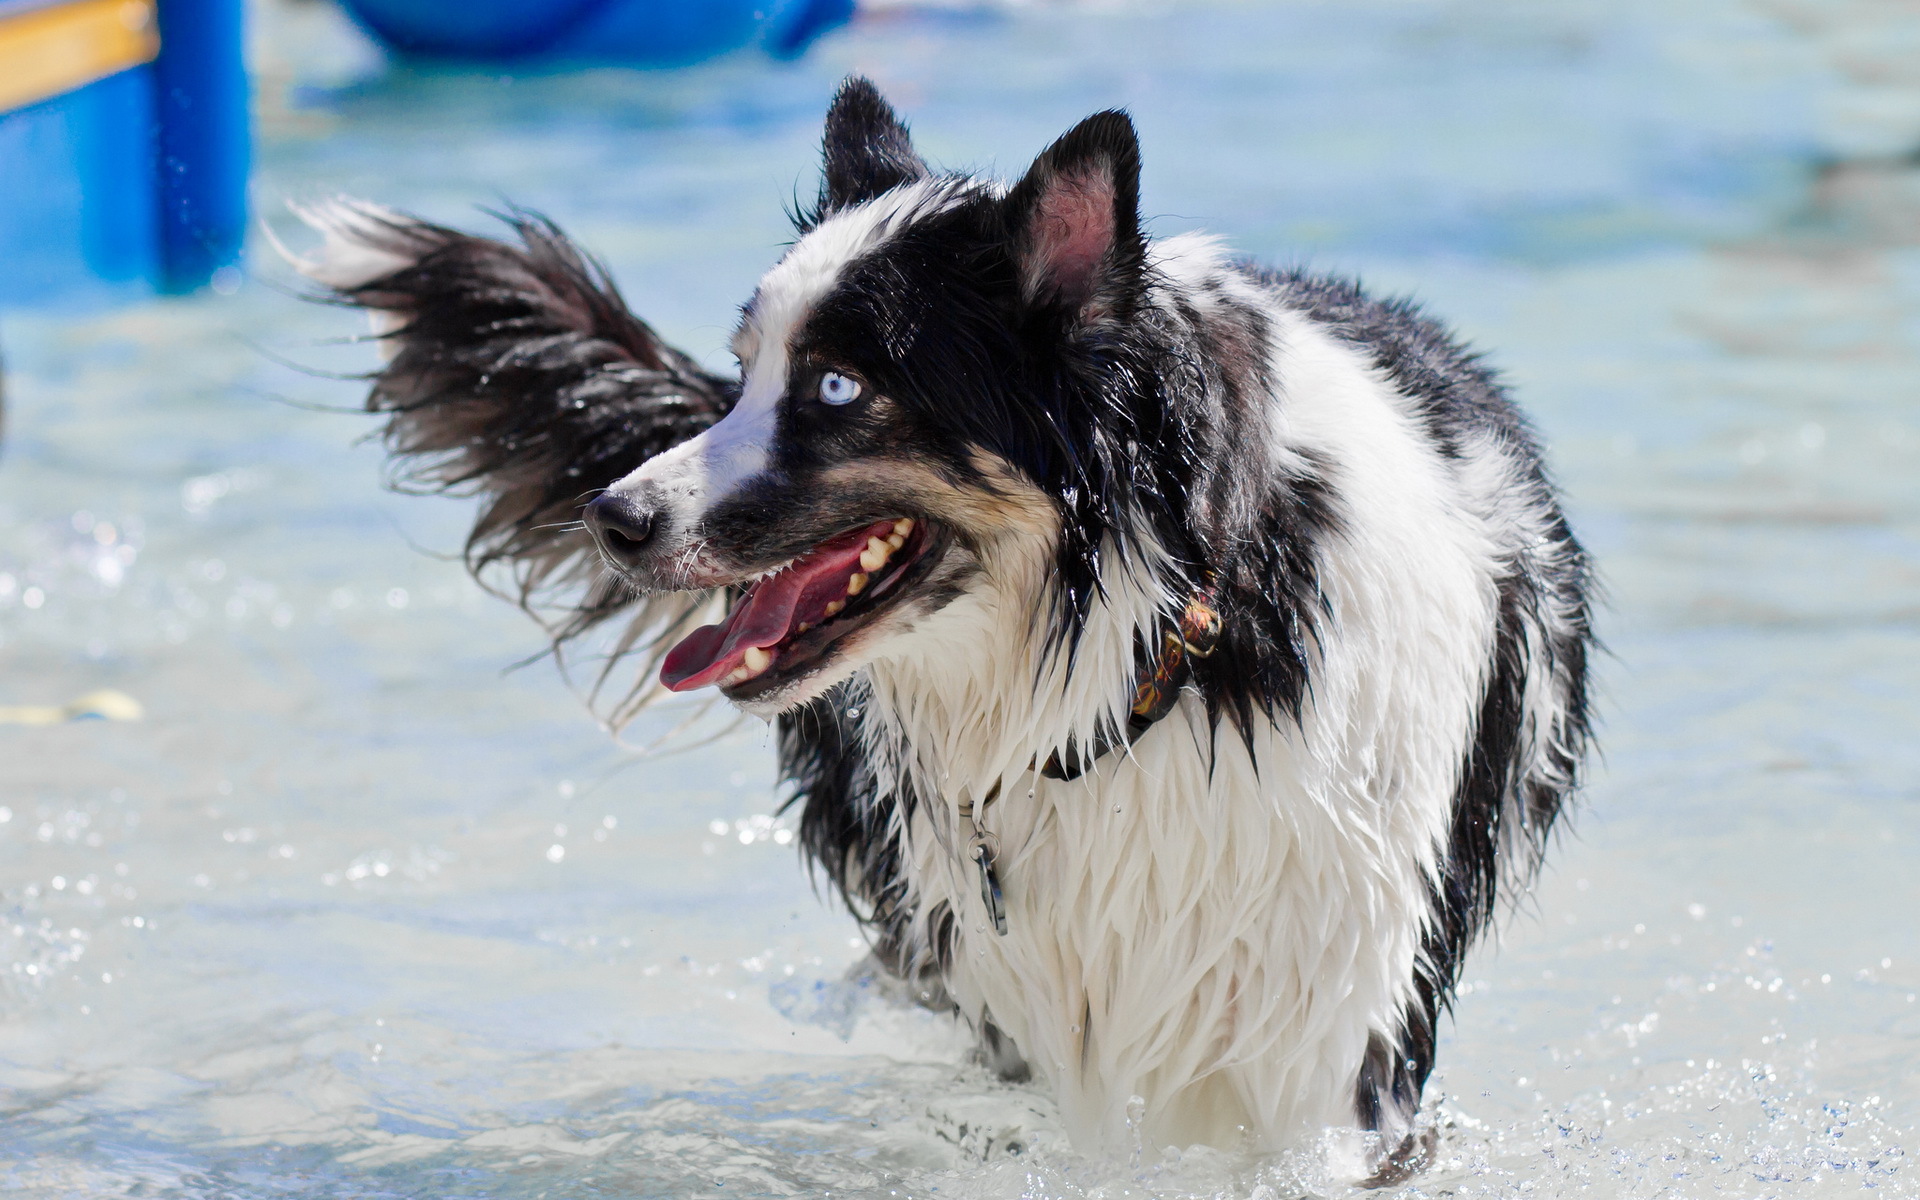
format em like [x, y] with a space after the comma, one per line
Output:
[875, 555]
[834, 607]
[903, 527]
[896, 541]
[755, 661]
[802, 627]
[737, 675]
[856, 583]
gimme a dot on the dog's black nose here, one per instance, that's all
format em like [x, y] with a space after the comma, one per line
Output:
[622, 525]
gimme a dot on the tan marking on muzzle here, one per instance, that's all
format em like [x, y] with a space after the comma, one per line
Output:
[1006, 509]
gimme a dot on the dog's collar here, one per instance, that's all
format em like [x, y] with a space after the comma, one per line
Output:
[1162, 669]
[1158, 676]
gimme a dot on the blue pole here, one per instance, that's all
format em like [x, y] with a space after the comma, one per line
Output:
[202, 139]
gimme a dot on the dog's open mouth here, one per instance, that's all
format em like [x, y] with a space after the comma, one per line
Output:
[787, 621]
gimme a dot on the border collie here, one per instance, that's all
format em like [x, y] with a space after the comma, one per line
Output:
[1175, 662]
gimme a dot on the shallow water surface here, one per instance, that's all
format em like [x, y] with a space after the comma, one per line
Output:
[358, 911]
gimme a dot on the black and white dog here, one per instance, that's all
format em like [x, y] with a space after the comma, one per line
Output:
[1175, 662]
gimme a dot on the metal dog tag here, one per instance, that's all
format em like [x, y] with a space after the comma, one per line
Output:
[990, 886]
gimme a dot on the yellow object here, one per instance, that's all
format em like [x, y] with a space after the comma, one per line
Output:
[106, 705]
[47, 51]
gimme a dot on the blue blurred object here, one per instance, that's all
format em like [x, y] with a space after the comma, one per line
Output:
[484, 29]
[78, 213]
[131, 173]
[203, 143]
[626, 32]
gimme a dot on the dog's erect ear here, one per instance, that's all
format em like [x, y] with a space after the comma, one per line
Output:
[866, 149]
[1075, 220]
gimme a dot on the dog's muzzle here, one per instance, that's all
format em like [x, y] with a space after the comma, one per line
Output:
[623, 526]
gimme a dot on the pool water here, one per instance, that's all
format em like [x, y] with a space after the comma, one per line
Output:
[360, 910]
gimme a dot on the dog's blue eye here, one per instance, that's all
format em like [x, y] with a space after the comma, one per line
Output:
[838, 389]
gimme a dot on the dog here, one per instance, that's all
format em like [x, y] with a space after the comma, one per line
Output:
[1176, 662]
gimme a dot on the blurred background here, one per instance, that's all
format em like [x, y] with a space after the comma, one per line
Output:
[328, 900]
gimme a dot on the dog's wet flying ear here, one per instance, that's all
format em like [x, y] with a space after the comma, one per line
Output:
[515, 372]
[866, 149]
[1075, 221]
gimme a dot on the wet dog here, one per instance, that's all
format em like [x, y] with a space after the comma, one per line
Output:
[1176, 662]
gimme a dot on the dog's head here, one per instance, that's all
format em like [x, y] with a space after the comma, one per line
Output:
[939, 377]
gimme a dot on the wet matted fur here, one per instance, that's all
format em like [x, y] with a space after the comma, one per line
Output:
[1042, 435]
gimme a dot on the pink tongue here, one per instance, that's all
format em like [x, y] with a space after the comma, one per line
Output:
[767, 613]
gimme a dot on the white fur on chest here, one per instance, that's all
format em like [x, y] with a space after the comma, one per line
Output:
[1213, 926]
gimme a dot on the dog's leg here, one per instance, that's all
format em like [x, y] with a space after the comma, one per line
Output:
[1413, 1155]
[999, 1055]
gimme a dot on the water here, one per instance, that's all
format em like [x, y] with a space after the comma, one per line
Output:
[357, 911]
